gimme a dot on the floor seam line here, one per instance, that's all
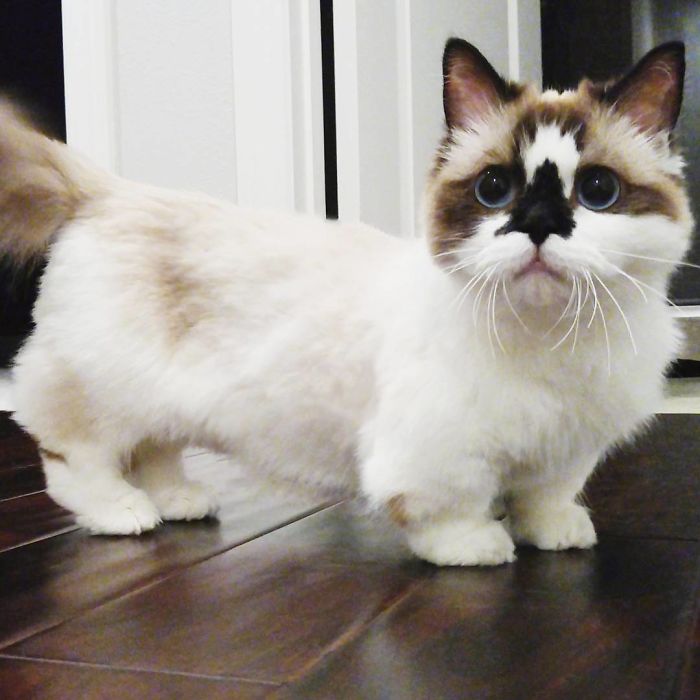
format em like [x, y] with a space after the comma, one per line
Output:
[345, 640]
[677, 683]
[22, 495]
[167, 575]
[56, 533]
[136, 669]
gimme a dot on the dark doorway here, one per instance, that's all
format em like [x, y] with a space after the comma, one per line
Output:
[601, 39]
[329, 126]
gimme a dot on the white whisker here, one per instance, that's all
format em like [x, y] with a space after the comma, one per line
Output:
[591, 286]
[598, 307]
[587, 294]
[657, 292]
[463, 264]
[462, 295]
[579, 308]
[477, 300]
[651, 258]
[622, 313]
[573, 324]
[564, 312]
[493, 315]
[488, 323]
[513, 311]
[632, 279]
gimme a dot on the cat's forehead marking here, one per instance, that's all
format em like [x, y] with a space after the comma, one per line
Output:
[558, 148]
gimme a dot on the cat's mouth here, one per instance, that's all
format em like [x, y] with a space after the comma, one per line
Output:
[537, 267]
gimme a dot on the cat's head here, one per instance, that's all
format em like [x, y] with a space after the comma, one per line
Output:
[535, 190]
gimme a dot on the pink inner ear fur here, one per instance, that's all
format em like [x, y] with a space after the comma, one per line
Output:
[470, 98]
[470, 90]
[650, 101]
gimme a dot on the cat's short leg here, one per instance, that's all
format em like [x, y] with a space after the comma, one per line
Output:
[445, 525]
[548, 516]
[88, 481]
[159, 471]
[474, 540]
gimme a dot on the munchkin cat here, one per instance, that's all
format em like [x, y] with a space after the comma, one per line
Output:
[468, 382]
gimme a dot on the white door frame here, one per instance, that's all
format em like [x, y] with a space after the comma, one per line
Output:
[278, 129]
[379, 51]
[89, 80]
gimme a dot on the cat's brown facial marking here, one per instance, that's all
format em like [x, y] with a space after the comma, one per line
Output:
[455, 210]
[647, 187]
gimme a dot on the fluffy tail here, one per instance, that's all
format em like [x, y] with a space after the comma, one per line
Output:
[42, 186]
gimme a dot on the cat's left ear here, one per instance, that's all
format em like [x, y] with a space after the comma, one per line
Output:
[652, 92]
[471, 86]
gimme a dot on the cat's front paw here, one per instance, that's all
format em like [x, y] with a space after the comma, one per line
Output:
[131, 513]
[565, 527]
[188, 500]
[462, 543]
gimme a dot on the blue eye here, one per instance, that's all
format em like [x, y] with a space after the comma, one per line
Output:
[598, 188]
[494, 188]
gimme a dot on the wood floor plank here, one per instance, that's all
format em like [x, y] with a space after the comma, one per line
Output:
[334, 605]
[268, 610]
[610, 623]
[48, 581]
[20, 480]
[28, 518]
[17, 449]
[20, 470]
[687, 686]
[652, 489]
[23, 680]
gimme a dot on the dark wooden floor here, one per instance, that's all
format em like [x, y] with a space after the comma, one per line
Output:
[311, 600]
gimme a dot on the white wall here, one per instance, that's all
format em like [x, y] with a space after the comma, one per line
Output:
[224, 96]
[174, 79]
[482, 23]
[389, 91]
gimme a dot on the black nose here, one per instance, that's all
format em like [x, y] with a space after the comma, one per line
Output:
[542, 208]
[539, 220]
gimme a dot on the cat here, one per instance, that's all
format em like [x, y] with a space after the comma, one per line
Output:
[487, 366]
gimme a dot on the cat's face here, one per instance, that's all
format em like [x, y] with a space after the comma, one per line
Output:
[537, 197]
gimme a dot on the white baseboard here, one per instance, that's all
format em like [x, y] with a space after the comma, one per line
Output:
[687, 311]
[6, 402]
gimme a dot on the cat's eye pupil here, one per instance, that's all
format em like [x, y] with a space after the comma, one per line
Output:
[598, 189]
[494, 187]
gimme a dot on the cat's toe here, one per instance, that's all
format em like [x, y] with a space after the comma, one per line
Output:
[130, 514]
[567, 527]
[185, 501]
[462, 543]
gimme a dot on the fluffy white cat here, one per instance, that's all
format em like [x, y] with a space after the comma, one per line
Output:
[489, 365]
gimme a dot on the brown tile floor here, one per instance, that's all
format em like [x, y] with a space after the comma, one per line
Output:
[282, 598]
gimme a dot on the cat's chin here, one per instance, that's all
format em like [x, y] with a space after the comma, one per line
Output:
[540, 289]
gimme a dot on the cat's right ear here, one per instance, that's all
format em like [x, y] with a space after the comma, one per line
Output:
[471, 86]
[652, 92]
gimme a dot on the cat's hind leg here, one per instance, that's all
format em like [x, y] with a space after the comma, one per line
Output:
[88, 481]
[82, 445]
[158, 470]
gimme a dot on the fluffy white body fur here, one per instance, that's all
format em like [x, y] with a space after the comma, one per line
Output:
[314, 343]
[342, 359]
